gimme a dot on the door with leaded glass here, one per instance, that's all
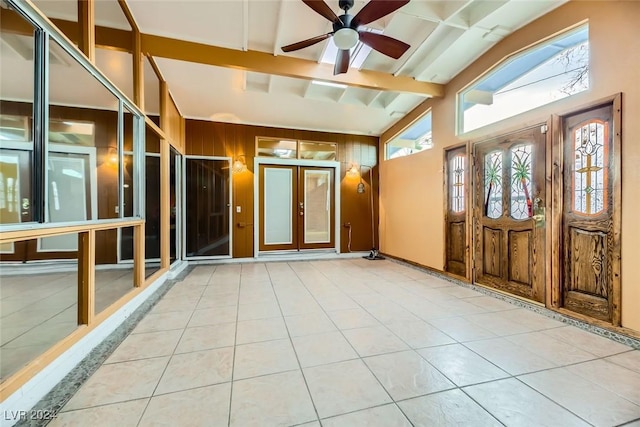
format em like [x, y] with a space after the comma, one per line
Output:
[456, 208]
[590, 246]
[509, 235]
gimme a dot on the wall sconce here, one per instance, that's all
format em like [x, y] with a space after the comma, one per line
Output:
[354, 171]
[112, 157]
[239, 165]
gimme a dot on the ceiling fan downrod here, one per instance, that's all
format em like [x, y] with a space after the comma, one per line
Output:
[345, 5]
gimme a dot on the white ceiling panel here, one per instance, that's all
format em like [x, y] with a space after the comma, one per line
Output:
[219, 23]
[218, 93]
[263, 24]
[445, 37]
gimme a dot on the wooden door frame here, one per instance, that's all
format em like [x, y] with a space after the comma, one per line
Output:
[257, 161]
[557, 254]
[468, 206]
[548, 244]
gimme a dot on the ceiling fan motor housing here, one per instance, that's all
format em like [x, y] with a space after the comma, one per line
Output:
[343, 21]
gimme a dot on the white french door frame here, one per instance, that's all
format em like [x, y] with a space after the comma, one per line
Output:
[257, 161]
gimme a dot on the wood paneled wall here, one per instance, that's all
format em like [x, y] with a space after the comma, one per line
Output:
[205, 138]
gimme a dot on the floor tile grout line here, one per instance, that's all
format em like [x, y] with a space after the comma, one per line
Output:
[235, 341]
[394, 403]
[438, 370]
[293, 347]
[495, 417]
[533, 308]
[361, 358]
[628, 423]
[552, 400]
[164, 371]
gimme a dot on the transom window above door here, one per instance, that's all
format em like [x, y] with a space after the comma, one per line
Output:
[295, 149]
[551, 70]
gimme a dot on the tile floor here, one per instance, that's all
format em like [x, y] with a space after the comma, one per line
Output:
[353, 343]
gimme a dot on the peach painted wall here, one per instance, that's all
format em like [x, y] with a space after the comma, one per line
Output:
[411, 193]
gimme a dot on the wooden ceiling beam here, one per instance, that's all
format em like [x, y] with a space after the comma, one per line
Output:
[286, 66]
[87, 21]
[261, 62]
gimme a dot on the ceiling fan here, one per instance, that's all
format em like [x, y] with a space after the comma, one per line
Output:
[346, 33]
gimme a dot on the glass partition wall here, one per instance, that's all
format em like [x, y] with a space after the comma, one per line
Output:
[72, 167]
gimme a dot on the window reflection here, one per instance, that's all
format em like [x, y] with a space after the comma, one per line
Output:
[17, 83]
[83, 137]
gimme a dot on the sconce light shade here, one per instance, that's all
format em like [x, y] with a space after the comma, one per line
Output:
[354, 171]
[239, 165]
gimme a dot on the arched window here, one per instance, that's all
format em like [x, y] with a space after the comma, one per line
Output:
[544, 73]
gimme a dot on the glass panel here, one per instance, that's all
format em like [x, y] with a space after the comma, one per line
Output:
[545, 73]
[152, 212]
[317, 151]
[414, 139]
[590, 168]
[521, 167]
[129, 185]
[175, 206]
[39, 307]
[70, 187]
[65, 10]
[493, 184]
[16, 122]
[457, 183]
[117, 66]
[152, 220]
[115, 280]
[15, 185]
[278, 197]
[83, 150]
[151, 92]
[284, 149]
[207, 207]
[317, 206]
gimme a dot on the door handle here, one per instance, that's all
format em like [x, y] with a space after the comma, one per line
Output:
[539, 212]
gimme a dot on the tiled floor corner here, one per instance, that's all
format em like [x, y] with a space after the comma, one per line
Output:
[353, 343]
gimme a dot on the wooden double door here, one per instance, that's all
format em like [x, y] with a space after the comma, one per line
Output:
[544, 221]
[297, 207]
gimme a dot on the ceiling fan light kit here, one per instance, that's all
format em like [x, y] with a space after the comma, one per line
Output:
[347, 32]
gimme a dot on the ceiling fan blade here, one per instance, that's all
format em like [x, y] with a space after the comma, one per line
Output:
[342, 62]
[375, 10]
[305, 43]
[384, 44]
[320, 7]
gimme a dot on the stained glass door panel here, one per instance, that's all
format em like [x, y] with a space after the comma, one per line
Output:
[456, 235]
[589, 239]
[509, 241]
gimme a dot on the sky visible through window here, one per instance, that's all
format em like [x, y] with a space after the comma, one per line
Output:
[545, 73]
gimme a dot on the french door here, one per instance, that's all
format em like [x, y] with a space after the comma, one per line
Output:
[509, 230]
[297, 207]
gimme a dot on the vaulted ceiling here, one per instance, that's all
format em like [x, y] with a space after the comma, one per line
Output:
[445, 37]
